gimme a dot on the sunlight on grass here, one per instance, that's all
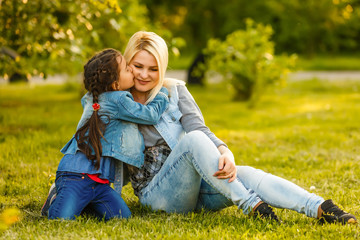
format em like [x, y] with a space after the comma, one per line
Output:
[307, 132]
[8, 217]
[328, 62]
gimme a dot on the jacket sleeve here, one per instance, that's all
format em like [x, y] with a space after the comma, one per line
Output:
[83, 101]
[135, 112]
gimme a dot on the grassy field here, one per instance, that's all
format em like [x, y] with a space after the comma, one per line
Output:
[318, 62]
[307, 132]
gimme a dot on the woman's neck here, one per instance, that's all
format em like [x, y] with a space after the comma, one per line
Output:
[139, 97]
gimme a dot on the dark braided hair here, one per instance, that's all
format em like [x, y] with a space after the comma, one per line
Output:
[100, 72]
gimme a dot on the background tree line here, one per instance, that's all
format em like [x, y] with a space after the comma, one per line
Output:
[40, 37]
[301, 26]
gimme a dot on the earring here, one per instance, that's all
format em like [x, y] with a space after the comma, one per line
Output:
[117, 86]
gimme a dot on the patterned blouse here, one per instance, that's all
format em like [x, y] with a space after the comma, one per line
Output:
[155, 158]
[157, 150]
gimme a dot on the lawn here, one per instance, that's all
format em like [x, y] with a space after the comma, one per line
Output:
[307, 132]
[318, 62]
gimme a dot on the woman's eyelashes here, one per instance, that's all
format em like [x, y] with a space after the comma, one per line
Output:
[151, 69]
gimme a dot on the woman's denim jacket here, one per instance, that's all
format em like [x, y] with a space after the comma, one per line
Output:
[123, 139]
[169, 128]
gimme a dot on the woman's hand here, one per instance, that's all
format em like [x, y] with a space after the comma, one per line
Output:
[227, 167]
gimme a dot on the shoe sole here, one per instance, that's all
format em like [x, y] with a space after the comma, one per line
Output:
[48, 201]
[352, 221]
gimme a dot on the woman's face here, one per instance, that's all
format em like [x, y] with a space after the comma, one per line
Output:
[145, 70]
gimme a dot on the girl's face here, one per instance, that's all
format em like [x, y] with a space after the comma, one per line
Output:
[145, 70]
[126, 79]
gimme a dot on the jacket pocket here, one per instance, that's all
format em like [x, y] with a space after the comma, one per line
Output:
[131, 142]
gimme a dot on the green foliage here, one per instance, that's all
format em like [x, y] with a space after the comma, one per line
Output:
[301, 26]
[307, 132]
[310, 27]
[246, 58]
[58, 36]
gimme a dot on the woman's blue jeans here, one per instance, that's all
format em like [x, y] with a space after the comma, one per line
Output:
[186, 183]
[76, 192]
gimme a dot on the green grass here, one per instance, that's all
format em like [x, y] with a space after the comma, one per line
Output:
[318, 62]
[330, 63]
[308, 133]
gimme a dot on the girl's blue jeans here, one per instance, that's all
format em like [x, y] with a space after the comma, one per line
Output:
[186, 183]
[76, 191]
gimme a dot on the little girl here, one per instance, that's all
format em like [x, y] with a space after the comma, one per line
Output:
[101, 139]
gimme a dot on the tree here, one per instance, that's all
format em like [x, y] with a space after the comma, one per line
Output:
[301, 26]
[246, 59]
[58, 35]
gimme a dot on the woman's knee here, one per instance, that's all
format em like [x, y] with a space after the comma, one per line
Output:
[198, 140]
[196, 135]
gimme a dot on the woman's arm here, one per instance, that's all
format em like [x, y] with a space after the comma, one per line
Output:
[135, 112]
[193, 119]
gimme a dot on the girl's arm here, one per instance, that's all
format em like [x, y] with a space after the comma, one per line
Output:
[135, 112]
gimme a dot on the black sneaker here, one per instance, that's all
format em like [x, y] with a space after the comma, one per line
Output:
[332, 213]
[50, 198]
[265, 211]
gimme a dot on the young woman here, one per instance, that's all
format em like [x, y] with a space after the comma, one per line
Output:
[184, 172]
[102, 139]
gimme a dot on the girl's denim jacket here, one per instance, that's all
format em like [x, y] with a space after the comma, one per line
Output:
[123, 141]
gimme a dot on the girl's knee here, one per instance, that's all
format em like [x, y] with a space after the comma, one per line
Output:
[120, 214]
[123, 212]
[118, 208]
[62, 214]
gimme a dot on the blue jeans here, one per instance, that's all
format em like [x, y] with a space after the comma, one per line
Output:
[75, 192]
[186, 183]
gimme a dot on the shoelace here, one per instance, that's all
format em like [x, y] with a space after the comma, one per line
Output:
[335, 211]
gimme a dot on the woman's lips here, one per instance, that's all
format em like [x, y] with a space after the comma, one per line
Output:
[142, 82]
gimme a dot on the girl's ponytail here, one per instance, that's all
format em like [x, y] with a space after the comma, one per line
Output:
[99, 74]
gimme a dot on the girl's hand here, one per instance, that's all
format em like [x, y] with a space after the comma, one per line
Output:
[227, 167]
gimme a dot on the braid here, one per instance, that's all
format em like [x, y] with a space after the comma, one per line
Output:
[99, 74]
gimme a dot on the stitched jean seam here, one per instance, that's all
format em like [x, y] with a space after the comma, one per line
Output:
[203, 176]
[170, 170]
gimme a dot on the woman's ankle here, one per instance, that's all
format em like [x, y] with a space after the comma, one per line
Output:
[319, 212]
[256, 206]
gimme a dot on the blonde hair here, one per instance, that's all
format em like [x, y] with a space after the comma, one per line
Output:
[156, 46]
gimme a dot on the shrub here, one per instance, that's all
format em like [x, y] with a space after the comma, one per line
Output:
[246, 59]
